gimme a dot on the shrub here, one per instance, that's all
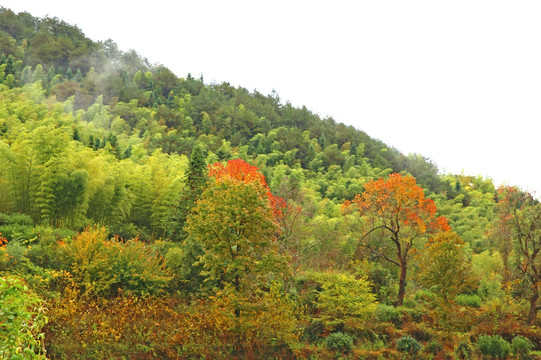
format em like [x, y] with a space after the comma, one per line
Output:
[21, 321]
[103, 267]
[17, 232]
[339, 341]
[314, 331]
[425, 295]
[16, 218]
[408, 345]
[521, 347]
[494, 346]
[433, 347]
[463, 351]
[469, 300]
[388, 313]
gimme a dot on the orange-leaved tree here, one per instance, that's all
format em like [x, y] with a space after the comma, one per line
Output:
[394, 213]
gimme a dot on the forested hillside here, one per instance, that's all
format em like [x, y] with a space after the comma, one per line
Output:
[148, 216]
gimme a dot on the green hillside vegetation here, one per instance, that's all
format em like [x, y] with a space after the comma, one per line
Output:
[147, 216]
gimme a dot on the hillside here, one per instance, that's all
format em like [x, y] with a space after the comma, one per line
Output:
[158, 201]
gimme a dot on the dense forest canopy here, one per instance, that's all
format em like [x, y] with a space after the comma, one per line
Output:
[143, 215]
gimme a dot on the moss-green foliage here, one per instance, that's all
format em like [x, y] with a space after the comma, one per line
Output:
[521, 347]
[408, 345]
[472, 300]
[463, 351]
[339, 341]
[494, 346]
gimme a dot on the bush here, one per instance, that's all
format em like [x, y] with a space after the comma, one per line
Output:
[494, 346]
[16, 218]
[22, 320]
[463, 351]
[103, 267]
[469, 300]
[521, 347]
[408, 345]
[388, 313]
[17, 232]
[16, 226]
[433, 347]
[339, 341]
[313, 331]
[425, 296]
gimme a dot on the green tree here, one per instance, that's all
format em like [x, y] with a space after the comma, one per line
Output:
[196, 180]
[444, 266]
[235, 225]
[522, 213]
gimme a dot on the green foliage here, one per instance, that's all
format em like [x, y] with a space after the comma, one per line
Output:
[388, 313]
[521, 347]
[444, 266]
[433, 347]
[344, 300]
[463, 351]
[472, 300]
[494, 346]
[196, 180]
[21, 320]
[339, 341]
[408, 345]
[234, 223]
[425, 295]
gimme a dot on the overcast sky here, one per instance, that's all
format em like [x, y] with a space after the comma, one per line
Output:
[456, 81]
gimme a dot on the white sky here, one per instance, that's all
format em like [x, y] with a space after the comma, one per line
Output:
[456, 81]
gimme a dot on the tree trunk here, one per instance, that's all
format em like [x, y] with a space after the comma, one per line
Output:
[402, 282]
[532, 316]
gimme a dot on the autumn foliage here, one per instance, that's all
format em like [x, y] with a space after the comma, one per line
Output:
[239, 170]
[397, 208]
[395, 202]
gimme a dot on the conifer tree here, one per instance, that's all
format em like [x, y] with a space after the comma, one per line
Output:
[196, 180]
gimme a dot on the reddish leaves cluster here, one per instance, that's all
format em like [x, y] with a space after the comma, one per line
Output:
[239, 170]
[399, 200]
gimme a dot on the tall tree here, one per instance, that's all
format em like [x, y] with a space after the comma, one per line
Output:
[235, 224]
[395, 213]
[444, 266]
[520, 214]
[196, 180]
